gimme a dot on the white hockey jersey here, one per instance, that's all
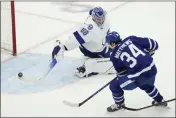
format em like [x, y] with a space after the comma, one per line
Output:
[90, 36]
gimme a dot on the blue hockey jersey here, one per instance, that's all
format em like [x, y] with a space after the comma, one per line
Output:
[130, 55]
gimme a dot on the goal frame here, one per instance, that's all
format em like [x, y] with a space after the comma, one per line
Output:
[14, 47]
[12, 30]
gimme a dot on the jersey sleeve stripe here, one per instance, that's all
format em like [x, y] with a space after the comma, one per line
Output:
[154, 45]
[79, 38]
[150, 43]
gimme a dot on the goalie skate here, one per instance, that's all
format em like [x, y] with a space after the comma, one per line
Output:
[81, 72]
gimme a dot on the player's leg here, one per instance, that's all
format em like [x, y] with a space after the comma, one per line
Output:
[153, 92]
[118, 96]
[146, 83]
[117, 86]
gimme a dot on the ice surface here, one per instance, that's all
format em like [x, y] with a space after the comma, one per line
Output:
[45, 24]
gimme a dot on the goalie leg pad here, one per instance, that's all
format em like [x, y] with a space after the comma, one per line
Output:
[99, 65]
[95, 66]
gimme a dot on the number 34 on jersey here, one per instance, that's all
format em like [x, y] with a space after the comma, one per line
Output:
[129, 57]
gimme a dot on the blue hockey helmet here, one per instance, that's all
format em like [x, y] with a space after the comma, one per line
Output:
[98, 15]
[113, 37]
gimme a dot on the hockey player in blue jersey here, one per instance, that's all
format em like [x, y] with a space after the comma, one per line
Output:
[90, 39]
[135, 66]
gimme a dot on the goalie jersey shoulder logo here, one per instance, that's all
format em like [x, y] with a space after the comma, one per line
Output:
[90, 27]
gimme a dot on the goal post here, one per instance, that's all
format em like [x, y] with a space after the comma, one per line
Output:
[8, 27]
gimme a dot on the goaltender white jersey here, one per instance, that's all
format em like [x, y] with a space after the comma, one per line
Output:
[90, 36]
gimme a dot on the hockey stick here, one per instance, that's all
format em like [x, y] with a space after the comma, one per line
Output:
[127, 108]
[109, 68]
[96, 73]
[81, 103]
[133, 109]
[50, 67]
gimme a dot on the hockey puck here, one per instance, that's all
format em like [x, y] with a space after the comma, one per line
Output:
[20, 74]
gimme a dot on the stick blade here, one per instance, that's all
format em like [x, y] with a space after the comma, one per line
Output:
[29, 79]
[71, 104]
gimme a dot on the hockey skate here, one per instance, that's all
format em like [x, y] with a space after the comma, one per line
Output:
[81, 72]
[162, 103]
[115, 107]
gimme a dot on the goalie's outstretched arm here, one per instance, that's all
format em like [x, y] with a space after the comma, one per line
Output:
[67, 45]
[75, 40]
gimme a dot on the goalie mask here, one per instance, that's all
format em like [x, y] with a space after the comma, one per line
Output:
[98, 15]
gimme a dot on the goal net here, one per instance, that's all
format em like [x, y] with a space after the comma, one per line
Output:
[8, 33]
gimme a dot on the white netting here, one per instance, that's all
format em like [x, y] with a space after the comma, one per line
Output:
[6, 28]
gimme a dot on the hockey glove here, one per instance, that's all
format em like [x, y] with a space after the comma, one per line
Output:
[58, 51]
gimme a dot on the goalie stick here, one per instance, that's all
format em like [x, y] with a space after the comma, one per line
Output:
[50, 67]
